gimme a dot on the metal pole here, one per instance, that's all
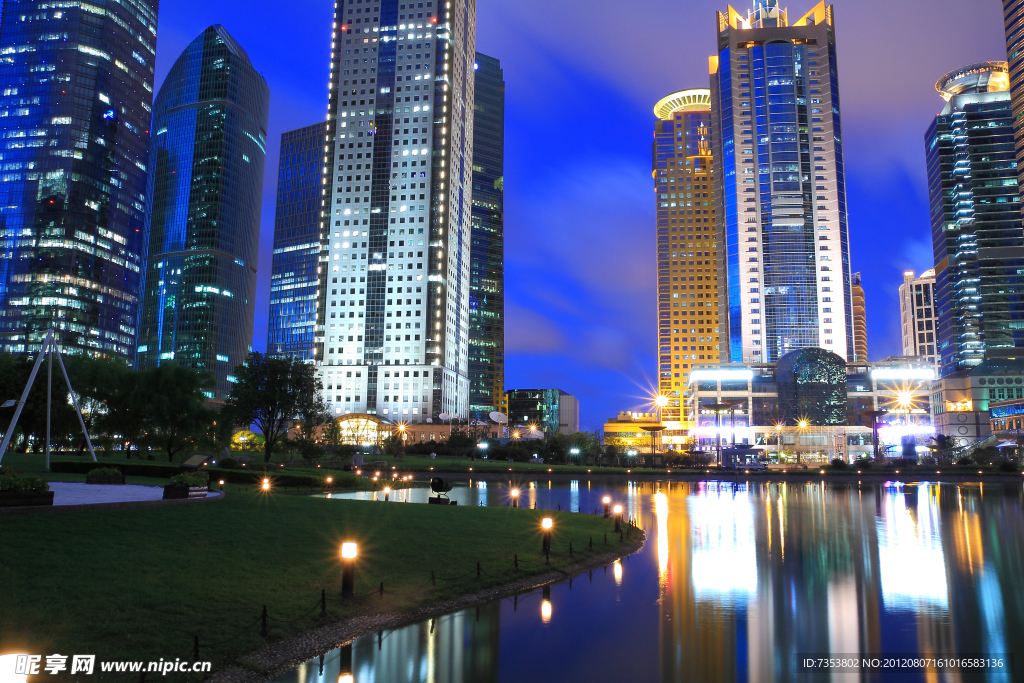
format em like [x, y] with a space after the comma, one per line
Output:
[718, 435]
[24, 397]
[49, 393]
[78, 411]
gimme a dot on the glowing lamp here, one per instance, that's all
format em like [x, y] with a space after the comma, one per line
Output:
[348, 551]
[330, 479]
[266, 484]
[618, 517]
[546, 522]
[546, 525]
[618, 509]
[607, 500]
[221, 482]
[348, 570]
[545, 610]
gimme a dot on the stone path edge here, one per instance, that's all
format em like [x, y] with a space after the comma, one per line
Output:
[28, 509]
[272, 660]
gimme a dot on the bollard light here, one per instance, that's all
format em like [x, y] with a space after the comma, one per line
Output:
[515, 498]
[618, 517]
[607, 500]
[266, 484]
[387, 493]
[221, 482]
[546, 524]
[348, 568]
[330, 479]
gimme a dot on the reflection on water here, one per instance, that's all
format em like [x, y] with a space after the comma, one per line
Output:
[734, 582]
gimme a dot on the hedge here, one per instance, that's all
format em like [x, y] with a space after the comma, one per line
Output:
[233, 476]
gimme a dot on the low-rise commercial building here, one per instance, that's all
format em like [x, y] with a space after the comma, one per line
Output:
[961, 401]
[815, 404]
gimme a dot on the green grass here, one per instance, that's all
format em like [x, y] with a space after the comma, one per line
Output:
[140, 583]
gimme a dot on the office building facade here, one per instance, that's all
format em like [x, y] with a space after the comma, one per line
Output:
[976, 221]
[543, 411]
[681, 166]
[208, 151]
[294, 275]
[77, 88]
[487, 249]
[393, 306]
[917, 316]
[860, 319]
[1013, 24]
[784, 268]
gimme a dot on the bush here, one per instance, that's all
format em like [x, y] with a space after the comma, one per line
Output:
[14, 482]
[105, 472]
[199, 478]
[227, 463]
[838, 464]
[1007, 466]
[965, 460]
[864, 464]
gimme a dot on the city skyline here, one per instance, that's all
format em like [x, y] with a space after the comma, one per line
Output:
[612, 366]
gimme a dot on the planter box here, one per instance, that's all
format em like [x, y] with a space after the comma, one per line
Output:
[9, 499]
[176, 492]
[103, 479]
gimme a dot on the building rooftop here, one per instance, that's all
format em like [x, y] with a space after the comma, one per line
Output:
[974, 79]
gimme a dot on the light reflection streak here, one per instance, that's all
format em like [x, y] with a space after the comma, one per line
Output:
[661, 513]
[617, 571]
[910, 559]
[724, 559]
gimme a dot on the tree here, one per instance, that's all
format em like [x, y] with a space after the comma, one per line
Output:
[273, 392]
[126, 412]
[175, 405]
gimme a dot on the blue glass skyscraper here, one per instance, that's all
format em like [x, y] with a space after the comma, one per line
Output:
[784, 273]
[209, 145]
[294, 278]
[76, 83]
[976, 220]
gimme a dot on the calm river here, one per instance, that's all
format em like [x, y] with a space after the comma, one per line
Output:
[740, 583]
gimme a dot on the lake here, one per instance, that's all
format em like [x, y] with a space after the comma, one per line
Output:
[740, 583]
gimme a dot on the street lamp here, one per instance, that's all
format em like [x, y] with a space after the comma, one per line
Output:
[546, 525]
[483, 448]
[387, 493]
[515, 498]
[618, 517]
[718, 408]
[778, 439]
[574, 452]
[607, 500]
[348, 568]
[802, 426]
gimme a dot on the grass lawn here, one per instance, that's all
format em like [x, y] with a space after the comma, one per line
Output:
[138, 584]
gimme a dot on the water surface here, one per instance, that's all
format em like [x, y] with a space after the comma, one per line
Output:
[736, 583]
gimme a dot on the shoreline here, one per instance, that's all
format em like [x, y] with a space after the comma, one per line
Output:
[272, 660]
[810, 475]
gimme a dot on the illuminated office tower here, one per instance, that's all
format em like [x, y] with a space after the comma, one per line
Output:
[294, 279]
[780, 185]
[860, 319]
[687, 293]
[917, 316]
[976, 221]
[1013, 23]
[487, 253]
[393, 310]
[206, 186]
[76, 85]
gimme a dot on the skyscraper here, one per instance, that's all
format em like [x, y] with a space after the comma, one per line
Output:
[681, 166]
[393, 320]
[1013, 23]
[76, 83]
[860, 319]
[917, 316]
[209, 145]
[976, 220]
[294, 278]
[780, 185]
[487, 251]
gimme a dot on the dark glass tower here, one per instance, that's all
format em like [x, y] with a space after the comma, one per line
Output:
[209, 144]
[76, 83]
[1013, 23]
[487, 251]
[780, 185]
[293, 281]
[976, 220]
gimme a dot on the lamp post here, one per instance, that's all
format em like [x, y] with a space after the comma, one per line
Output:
[515, 498]
[546, 525]
[618, 517]
[387, 493]
[802, 426]
[483, 449]
[348, 568]
[607, 500]
[718, 408]
[874, 415]
[574, 452]
[778, 440]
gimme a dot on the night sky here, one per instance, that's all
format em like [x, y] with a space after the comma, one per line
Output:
[581, 80]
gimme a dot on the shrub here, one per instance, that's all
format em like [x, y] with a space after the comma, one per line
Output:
[1007, 466]
[965, 460]
[838, 463]
[864, 464]
[227, 463]
[199, 478]
[13, 482]
[105, 472]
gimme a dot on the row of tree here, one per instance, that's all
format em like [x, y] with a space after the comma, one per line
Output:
[164, 408]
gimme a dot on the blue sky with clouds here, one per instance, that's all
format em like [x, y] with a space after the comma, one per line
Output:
[579, 210]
